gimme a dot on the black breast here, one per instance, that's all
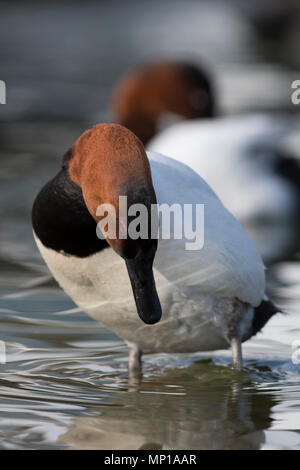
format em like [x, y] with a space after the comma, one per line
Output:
[61, 220]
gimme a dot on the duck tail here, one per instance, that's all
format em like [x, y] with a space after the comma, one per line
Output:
[262, 315]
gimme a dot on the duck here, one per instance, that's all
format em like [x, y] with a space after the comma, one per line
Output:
[156, 291]
[242, 157]
[155, 95]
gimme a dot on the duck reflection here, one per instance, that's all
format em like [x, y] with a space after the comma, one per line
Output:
[203, 406]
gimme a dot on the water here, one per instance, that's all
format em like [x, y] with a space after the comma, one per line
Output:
[64, 383]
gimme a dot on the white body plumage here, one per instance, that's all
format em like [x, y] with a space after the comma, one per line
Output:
[236, 156]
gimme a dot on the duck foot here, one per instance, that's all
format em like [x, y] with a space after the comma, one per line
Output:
[237, 358]
[134, 365]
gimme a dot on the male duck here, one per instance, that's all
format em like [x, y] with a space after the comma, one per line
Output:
[240, 157]
[186, 300]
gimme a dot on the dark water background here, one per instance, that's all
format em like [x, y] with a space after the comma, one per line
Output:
[64, 384]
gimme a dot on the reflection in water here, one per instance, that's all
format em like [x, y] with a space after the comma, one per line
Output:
[200, 407]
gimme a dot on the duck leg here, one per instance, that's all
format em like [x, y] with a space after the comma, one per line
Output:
[134, 363]
[237, 358]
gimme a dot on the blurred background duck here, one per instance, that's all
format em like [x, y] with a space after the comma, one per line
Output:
[172, 107]
[211, 298]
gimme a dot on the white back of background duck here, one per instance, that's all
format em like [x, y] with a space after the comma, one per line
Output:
[241, 157]
[209, 298]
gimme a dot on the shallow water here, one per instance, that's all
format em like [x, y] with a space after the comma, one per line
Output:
[64, 383]
[65, 380]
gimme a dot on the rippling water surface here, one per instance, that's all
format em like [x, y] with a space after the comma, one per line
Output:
[64, 383]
